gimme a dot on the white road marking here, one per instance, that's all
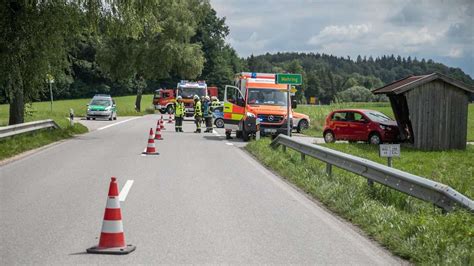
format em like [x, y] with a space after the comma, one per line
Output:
[216, 133]
[118, 123]
[230, 144]
[126, 188]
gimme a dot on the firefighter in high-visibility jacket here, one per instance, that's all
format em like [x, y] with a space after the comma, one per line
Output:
[207, 113]
[197, 113]
[214, 103]
[179, 114]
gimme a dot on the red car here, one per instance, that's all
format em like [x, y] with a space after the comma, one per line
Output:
[360, 125]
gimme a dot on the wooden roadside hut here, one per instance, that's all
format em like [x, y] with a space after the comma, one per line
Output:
[431, 110]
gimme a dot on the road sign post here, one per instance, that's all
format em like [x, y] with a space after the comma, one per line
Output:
[389, 151]
[288, 79]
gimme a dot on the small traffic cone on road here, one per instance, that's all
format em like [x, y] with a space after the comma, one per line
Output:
[162, 124]
[158, 131]
[170, 119]
[112, 238]
[150, 148]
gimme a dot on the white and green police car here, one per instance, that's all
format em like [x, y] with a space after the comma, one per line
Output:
[102, 106]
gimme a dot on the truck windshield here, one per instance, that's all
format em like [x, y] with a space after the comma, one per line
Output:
[267, 97]
[188, 93]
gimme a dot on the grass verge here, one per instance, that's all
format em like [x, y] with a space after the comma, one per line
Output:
[410, 228]
[20, 143]
[318, 114]
[42, 110]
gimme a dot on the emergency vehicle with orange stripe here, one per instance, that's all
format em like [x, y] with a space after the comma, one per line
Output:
[256, 103]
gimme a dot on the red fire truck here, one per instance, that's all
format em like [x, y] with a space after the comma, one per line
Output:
[164, 99]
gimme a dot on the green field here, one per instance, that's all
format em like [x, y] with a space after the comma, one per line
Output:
[318, 113]
[410, 228]
[41, 110]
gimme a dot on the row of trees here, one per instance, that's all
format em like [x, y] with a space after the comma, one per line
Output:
[124, 47]
[113, 46]
[324, 76]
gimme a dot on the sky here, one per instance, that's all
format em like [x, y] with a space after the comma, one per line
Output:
[442, 30]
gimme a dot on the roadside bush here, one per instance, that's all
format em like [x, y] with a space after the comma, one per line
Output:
[359, 94]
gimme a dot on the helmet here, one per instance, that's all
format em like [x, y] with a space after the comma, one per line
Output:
[179, 97]
[207, 98]
[196, 97]
[214, 98]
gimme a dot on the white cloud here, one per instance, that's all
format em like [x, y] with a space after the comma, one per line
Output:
[336, 33]
[407, 41]
[455, 53]
[253, 43]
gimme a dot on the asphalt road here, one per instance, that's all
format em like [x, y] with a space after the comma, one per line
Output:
[202, 200]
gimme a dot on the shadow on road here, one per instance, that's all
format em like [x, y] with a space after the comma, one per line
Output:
[79, 253]
[216, 138]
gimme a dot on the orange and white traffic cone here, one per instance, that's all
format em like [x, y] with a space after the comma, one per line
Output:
[170, 119]
[162, 124]
[112, 238]
[158, 131]
[150, 148]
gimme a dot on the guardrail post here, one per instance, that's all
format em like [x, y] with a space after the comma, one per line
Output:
[303, 156]
[329, 169]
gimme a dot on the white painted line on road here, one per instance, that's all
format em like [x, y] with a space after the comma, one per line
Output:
[126, 188]
[216, 133]
[230, 144]
[118, 123]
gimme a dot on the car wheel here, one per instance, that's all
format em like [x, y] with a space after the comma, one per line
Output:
[115, 116]
[375, 139]
[88, 118]
[302, 125]
[170, 109]
[111, 116]
[238, 134]
[329, 137]
[93, 118]
[219, 122]
[352, 141]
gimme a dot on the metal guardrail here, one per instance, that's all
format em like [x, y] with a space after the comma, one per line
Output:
[428, 190]
[26, 127]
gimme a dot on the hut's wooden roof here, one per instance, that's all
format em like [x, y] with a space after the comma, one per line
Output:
[408, 83]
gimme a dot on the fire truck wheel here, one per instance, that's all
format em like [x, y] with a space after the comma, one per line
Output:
[170, 109]
[245, 136]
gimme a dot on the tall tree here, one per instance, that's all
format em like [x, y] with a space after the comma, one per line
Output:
[156, 54]
[36, 36]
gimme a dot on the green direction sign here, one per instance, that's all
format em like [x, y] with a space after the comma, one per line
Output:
[292, 79]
